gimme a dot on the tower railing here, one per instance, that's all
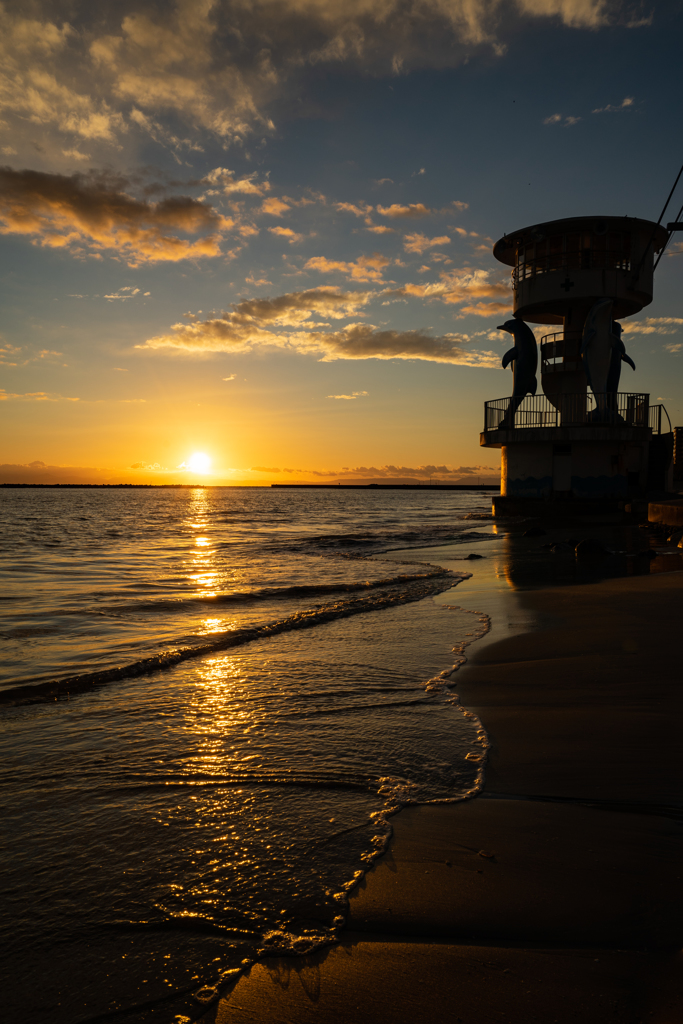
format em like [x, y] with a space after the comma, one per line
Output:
[561, 351]
[572, 410]
[657, 422]
[580, 259]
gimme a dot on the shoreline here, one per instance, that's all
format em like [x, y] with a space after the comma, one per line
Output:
[564, 870]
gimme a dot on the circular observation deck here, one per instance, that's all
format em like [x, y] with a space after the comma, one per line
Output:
[567, 265]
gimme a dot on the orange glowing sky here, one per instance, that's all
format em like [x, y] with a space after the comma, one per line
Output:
[263, 232]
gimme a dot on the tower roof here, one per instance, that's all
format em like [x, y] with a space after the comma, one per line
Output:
[505, 249]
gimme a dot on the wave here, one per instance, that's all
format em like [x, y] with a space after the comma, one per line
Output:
[412, 588]
[301, 590]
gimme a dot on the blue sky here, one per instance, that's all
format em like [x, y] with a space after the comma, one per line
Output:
[264, 231]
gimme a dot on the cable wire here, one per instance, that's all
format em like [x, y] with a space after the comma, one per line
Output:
[680, 214]
[652, 238]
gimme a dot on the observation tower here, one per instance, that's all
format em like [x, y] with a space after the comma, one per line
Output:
[582, 438]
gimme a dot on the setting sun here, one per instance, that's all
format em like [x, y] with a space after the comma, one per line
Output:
[199, 463]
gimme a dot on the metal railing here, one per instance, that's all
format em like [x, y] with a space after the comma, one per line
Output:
[655, 420]
[580, 259]
[561, 352]
[583, 409]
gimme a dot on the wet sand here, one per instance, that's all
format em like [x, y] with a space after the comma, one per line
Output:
[557, 894]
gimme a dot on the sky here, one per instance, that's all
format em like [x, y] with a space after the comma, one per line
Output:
[261, 231]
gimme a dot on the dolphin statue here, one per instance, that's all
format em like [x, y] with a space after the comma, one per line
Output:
[524, 357]
[617, 357]
[596, 352]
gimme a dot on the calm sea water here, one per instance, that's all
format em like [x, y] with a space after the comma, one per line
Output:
[214, 700]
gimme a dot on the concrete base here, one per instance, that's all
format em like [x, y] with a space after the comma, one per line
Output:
[668, 512]
[597, 511]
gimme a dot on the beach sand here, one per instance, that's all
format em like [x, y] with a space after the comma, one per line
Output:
[557, 894]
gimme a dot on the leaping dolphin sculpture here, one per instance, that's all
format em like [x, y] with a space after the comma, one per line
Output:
[618, 356]
[596, 347]
[602, 352]
[524, 357]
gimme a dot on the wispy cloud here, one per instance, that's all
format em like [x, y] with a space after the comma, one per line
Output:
[456, 286]
[357, 209]
[365, 268]
[626, 104]
[287, 233]
[487, 309]
[35, 396]
[398, 212]
[124, 293]
[223, 180]
[420, 243]
[253, 325]
[351, 397]
[653, 325]
[274, 206]
[424, 473]
[296, 307]
[135, 70]
[567, 122]
[93, 213]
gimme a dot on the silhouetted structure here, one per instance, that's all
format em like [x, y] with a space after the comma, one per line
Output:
[582, 275]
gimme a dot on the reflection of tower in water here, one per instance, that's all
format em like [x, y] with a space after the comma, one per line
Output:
[582, 437]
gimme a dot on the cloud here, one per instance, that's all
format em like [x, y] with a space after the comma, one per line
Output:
[215, 66]
[74, 153]
[460, 205]
[456, 286]
[420, 243]
[653, 325]
[93, 211]
[124, 293]
[35, 396]
[275, 207]
[626, 104]
[225, 180]
[560, 119]
[296, 307]
[398, 212]
[232, 376]
[488, 309]
[380, 229]
[9, 354]
[351, 397]
[357, 209]
[589, 14]
[397, 474]
[365, 268]
[287, 233]
[673, 348]
[248, 328]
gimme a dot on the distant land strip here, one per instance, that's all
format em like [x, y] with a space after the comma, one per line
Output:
[401, 487]
[336, 487]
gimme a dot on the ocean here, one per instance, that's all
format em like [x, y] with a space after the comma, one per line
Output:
[213, 701]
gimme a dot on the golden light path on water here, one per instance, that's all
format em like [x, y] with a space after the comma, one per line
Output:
[191, 817]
